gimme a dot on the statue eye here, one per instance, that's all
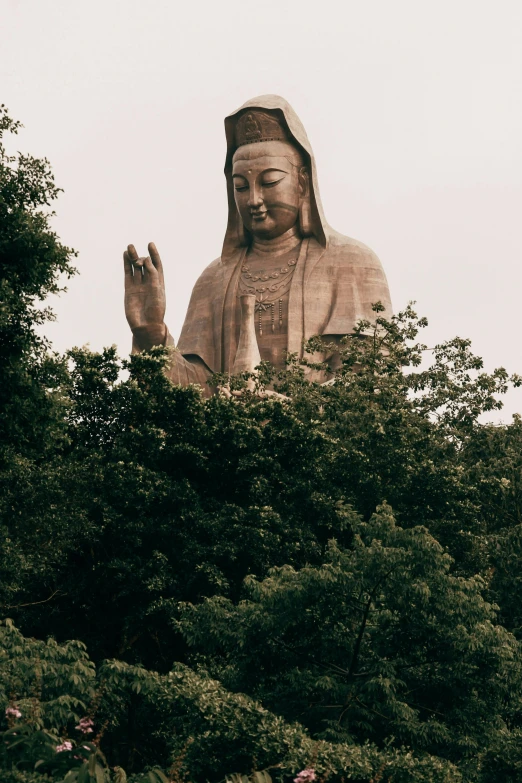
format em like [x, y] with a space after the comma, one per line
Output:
[241, 185]
[272, 180]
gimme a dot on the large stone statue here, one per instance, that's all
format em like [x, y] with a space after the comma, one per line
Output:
[283, 275]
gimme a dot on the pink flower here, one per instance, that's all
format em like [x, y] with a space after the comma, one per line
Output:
[12, 712]
[66, 745]
[305, 776]
[85, 726]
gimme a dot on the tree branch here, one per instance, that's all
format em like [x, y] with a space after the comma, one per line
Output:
[35, 603]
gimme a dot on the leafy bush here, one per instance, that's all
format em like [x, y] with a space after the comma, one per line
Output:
[200, 729]
[381, 639]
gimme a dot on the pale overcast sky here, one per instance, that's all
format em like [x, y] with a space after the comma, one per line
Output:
[413, 108]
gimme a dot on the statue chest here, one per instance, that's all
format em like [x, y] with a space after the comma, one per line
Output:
[269, 279]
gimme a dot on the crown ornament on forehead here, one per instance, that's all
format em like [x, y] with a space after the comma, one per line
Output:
[255, 126]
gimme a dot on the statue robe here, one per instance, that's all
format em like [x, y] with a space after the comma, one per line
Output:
[332, 289]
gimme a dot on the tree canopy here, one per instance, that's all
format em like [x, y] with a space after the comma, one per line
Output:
[323, 581]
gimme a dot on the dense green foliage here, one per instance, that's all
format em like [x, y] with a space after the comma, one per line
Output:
[31, 261]
[326, 580]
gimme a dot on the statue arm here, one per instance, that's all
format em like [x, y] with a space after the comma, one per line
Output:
[179, 369]
[145, 311]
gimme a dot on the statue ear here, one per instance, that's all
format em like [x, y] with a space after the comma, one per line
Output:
[305, 218]
[304, 182]
[305, 213]
[240, 229]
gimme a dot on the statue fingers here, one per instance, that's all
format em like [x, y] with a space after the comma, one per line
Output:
[142, 264]
[127, 266]
[133, 255]
[147, 264]
[155, 256]
[136, 263]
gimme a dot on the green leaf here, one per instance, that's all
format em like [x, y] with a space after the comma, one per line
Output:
[236, 777]
[260, 777]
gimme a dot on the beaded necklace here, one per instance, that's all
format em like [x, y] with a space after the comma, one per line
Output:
[269, 287]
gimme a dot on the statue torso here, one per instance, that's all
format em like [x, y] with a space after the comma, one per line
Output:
[331, 289]
[268, 275]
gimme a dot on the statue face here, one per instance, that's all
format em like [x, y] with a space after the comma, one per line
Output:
[269, 182]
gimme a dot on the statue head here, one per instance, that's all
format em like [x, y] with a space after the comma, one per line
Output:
[271, 182]
[271, 176]
[271, 189]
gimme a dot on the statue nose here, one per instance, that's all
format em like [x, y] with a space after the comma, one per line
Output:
[255, 199]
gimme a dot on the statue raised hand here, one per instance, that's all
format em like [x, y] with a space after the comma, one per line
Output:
[145, 304]
[145, 299]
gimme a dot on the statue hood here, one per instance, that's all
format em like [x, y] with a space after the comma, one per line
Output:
[321, 229]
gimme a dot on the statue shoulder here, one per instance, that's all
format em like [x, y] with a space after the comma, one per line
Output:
[359, 277]
[209, 275]
[344, 250]
[212, 269]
